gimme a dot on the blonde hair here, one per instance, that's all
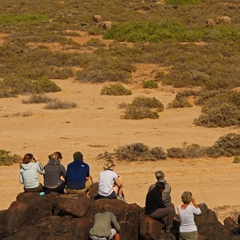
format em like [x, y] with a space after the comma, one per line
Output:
[186, 197]
[108, 164]
[55, 155]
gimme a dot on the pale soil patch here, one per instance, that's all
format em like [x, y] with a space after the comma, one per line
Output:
[51, 46]
[2, 41]
[196, 43]
[96, 121]
[147, 71]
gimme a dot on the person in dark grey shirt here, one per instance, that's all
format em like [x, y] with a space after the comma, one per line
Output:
[55, 174]
[102, 229]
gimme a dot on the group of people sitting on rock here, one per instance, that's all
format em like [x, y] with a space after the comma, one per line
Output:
[77, 180]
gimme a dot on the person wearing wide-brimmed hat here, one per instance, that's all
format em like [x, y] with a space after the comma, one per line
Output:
[79, 180]
[110, 183]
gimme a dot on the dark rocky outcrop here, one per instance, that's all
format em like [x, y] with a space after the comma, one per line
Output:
[70, 216]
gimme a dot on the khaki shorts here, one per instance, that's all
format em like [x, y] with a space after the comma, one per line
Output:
[88, 185]
[188, 235]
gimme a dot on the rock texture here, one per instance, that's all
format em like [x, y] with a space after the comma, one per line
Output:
[70, 216]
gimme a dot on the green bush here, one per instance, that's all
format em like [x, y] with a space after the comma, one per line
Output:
[221, 116]
[150, 84]
[115, 90]
[236, 160]
[135, 152]
[46, 85]
[4, 18]
[182, 2]
[228, 146]
[143, 102]
[133, 112]
[7, 159]
[179, 103]
[159, 76]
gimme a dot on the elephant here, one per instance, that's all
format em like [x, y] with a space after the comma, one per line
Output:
[97, 18]
[224, 19]
[209, 22]
[105, 25]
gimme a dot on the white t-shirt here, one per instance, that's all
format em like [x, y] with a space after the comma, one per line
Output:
[106, 181]
[186, 216]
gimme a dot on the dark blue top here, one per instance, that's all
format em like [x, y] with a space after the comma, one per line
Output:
[77, 172]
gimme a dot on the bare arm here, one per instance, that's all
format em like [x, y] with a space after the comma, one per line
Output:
[193, 202]
[118, 181]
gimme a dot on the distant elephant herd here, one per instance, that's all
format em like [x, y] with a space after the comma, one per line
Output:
[102, 24]
[108, 24]
[224, 19]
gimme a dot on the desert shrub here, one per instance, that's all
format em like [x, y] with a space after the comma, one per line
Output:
[133, 112]
[179, 103]
[221, 116]
[47, 85]
[94, 43]
[194, 151]
[22, 18]
[152, 31]
[7, 159]
[38, 98]
[150, 84]
[181, 2]
[103, 76]
[159, 76]
[187, 93]
[228, 146]
[203, 96]
[143, 102]
[236, 160]
[135, 152]
[115, 90]
[14, 84]
[18, 85]
[58, 104]
[176, 153]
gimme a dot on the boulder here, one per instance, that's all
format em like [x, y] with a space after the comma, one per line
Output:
[149, 229]
[76, 207]
[209, 227]
[230, 224]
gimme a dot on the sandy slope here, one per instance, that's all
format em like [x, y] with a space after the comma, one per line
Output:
[96, 121]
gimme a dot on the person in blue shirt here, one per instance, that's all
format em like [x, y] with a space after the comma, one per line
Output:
[79, 180]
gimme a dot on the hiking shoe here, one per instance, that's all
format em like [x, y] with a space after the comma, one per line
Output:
[121, 198]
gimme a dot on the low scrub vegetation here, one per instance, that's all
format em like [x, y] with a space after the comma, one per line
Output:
[13, 85]
[150, 84]
[182, 2]
[140, 108]
[180, 102]
[4, 18]
[135, 152]
[7, 159]
[228, 146]
[188, 150]
[135, 113]
[115, 90]
[38, 98]
[58, 104]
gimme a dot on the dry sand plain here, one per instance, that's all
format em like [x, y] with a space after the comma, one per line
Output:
[95, 126]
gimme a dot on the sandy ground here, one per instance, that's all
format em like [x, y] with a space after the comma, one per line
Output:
[96, 121]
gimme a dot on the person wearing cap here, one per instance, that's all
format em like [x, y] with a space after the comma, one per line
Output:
[110, 183]
[78, 178]
[166, 197]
